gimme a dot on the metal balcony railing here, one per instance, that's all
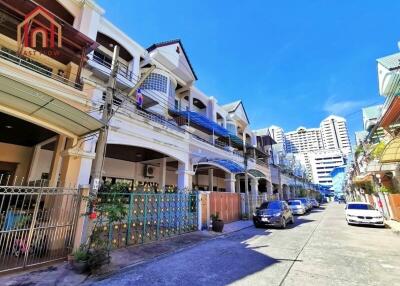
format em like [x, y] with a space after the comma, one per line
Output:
[105, 61]
[35, 66]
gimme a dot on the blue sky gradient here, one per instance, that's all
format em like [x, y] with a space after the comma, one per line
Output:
[291, 62]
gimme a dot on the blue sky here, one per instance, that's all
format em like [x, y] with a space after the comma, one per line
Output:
[291, 62]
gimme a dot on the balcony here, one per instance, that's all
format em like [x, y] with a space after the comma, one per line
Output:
[37, 67]
[100, 63]
[127, 107]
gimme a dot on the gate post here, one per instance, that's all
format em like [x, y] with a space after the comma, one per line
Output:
[80, 220]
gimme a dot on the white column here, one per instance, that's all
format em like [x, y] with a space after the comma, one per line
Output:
[190, 100]
[230, 182]
[270, 189]
[162, 174]
[254, 189]
[87, 155]
[211, 179]
[184, 176]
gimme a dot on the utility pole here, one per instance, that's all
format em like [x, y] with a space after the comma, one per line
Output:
[107, 113]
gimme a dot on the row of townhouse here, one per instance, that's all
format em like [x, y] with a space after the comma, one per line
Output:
[375, 173]
[55, 65]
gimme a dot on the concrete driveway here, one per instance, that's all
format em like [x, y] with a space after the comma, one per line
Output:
[320, 249]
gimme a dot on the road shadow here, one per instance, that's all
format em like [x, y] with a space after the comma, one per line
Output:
[221, 261]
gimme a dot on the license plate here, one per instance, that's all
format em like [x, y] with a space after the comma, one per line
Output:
[264, 219]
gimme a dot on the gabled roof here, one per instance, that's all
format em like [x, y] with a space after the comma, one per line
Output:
[233, 106]
[172, 42]
[390, 62]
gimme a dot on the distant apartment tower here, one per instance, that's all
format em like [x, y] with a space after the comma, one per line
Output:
[303, 140]
[322, 163]
[335, 134]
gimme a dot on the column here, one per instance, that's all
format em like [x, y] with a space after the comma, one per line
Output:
[87, 155]
[184, 176]
[230, 182]
[162, 174]
[56, 161]
[270, 190]
[254, 191]
[34, 162]
[237, 187]
[211, 179]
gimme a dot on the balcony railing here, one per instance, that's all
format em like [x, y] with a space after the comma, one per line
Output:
[105, 61]
[35, 66]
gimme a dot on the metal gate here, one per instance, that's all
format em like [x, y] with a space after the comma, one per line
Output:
[146, 217]
[36, 224]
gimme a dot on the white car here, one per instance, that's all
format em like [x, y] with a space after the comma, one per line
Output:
[297, 207]
[363, 213]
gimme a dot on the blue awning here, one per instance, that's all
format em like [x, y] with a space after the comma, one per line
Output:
[203, 122]
[227, 164]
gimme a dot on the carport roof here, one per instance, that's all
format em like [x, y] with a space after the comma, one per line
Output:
[34, 103]
[227, 164]
[257, 174]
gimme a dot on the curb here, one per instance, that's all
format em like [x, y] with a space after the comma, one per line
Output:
[388, 224]
[97, 278]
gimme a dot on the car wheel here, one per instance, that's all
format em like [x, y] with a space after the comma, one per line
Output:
[283, 223]
[257, 225]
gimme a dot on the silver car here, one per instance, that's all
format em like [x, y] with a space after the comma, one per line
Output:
[297, 207]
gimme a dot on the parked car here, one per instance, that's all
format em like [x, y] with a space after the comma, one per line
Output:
[297, 207]
[306, 202]
[363, 213]
[341, 199]
[274, 213]
[314, 203]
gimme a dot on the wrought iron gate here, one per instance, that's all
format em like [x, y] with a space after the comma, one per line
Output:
[36, 224]
[146, 217]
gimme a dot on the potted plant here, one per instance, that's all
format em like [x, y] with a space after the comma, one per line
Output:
[217, 223]
[79, 260]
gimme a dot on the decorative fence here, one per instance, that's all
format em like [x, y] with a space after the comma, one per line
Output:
[125, 219]
[37, 224]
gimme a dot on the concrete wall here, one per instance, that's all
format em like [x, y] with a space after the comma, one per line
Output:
[17, 154]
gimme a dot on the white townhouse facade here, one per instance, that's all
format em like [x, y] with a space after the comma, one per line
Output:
[180, 138]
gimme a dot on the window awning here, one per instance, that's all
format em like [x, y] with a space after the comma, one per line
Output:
[257, 174]
[227, 164]
[202, 122]
[30, 102]
[391, 153]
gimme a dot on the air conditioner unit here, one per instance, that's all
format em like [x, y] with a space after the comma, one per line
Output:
[148, 171]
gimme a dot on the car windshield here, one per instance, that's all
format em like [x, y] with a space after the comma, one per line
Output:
[273, 205]
[304, 201]
[294, 203]
[359, 207]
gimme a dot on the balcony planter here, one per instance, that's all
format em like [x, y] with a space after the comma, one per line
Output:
[217, 224]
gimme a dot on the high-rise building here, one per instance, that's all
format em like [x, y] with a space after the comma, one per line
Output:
[322, 163]
[303, 140]
[318, 150]
[335, 134]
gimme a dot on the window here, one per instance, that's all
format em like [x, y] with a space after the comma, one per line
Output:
[156, 82]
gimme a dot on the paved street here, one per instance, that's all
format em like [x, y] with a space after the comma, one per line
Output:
[319, 250]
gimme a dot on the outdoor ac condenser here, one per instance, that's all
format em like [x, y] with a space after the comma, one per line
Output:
[148, 171]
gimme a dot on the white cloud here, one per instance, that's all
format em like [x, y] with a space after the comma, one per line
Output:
[331, 106]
